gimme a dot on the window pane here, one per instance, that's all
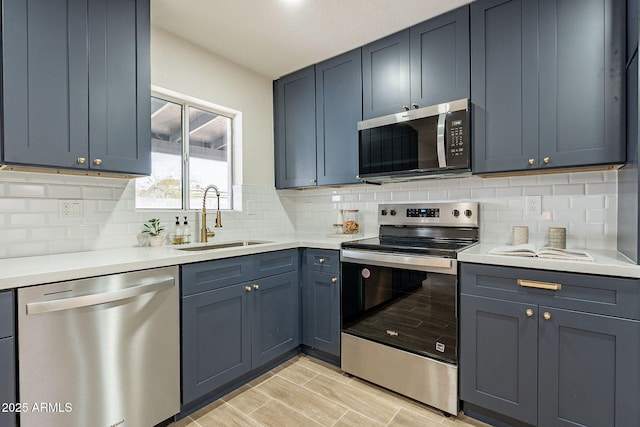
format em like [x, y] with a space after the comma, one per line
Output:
[163, 189]
[209, 157]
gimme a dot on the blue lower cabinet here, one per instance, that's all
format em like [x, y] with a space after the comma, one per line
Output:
[7, 382]
[321, 301]
[549, 354]
[321, 312]
[275, 317]
[216, 339]
[236, 328]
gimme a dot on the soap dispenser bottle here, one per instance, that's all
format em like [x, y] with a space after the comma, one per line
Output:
[186, 232]
[177, 232]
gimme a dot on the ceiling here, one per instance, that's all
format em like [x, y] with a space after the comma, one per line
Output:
[276, 37]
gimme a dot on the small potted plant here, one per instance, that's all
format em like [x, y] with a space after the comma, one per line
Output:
[154, 230]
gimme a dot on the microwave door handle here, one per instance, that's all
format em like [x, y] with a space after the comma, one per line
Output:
[442, 154]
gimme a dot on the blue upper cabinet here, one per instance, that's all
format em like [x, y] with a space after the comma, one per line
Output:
[424, 65]
[76, 84]
[385, 75]
[295, 129]
[546, 84]
[440, 59]
[338, 111]
[317, 110]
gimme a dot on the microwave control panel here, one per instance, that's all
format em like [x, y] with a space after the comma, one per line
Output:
[457, 137]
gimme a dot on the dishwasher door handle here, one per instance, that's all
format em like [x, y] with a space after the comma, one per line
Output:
[100, 298]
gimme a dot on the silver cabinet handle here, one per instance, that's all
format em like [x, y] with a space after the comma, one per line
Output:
[100, 298]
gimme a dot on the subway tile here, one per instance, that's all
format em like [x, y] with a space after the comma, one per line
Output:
[26, 190]
[588, 202]
[440, 195]
[65, 192]
[514, 191]
[12, 205]
[605, 188]
[98, 193]
[538, 190]
[569, 190]
[483, 193]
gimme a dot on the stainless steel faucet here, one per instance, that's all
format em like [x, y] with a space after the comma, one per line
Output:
[205, 233]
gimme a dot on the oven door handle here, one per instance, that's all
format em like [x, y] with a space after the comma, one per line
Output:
[406, 262]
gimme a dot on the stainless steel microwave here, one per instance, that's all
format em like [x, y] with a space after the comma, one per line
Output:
[416, 143]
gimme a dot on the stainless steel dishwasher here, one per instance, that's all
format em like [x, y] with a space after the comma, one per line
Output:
[100, 352]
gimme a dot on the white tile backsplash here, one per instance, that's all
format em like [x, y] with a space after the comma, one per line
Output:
[585, 203]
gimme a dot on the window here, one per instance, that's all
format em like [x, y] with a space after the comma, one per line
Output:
[191, 147]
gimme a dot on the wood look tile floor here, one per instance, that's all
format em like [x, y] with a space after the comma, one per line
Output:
[307, 392]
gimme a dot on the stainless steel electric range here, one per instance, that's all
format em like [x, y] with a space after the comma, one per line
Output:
[400, 297]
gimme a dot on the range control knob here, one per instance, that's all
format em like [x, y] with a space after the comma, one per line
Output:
[468, 213]
[393, 212]
[384, 212]
[456, 213]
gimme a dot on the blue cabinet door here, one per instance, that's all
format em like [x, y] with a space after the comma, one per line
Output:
[440, 59]
[216, 339]
[589, 369]
[44, 83]
[120, 86]
[499, 356]
[385, 75]
[338, 111]
[276, 317]
[295, 129]
[7, 380]
[581, 74]
[76, 84]
[321, 311]
[504, 85]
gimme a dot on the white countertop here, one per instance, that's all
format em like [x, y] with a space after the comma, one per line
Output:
[26, 271]
[607, 263]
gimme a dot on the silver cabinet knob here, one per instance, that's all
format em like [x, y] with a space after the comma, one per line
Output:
[81, 160]
[406, 107]
[414, 105]
[247, 288]
[321, 260]
[532, 161]
[529, 312]
[334, 280]
[97, 162]
[547, 315]
[256, 287]
[546, 160]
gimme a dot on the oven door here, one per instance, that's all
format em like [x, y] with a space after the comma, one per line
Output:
[405, 306]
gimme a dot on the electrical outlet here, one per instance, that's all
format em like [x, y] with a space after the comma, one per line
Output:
[69, 208]
[533, 206]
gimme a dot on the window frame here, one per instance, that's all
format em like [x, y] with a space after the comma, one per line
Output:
[186, 101]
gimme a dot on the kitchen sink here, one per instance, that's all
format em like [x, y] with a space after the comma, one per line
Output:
[223, 245]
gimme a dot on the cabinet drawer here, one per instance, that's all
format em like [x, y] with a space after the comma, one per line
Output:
[323, 260]
[204, 276]
[6, 314]
[271, 263]
[612, 296]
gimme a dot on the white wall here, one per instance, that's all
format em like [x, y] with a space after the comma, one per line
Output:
[185, 68]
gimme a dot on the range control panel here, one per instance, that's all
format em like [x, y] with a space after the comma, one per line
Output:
[446, 214]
